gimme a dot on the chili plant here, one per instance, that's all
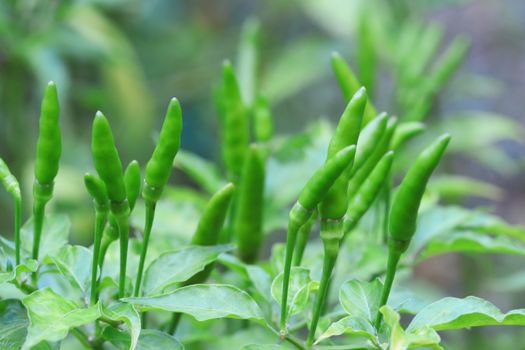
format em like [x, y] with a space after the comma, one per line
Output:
[199, 276]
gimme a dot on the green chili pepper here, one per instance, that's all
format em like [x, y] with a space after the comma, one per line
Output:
[368, 140]
[263, 121]
[12, 187]
[132, 182]
[302, 238]
[349, 84]
[368, 192]
[247, 223]
[311, 195]
[109, 168]
[48, 151]
[333, 206]
[235, 124]
[97, 190]
[207, 233]
[379, 150]
[405, 207]
[158, 170]
[405, 132]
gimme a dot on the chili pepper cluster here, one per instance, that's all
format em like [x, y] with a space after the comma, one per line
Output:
[356, 171]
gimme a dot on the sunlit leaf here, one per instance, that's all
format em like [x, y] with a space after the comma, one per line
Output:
[205, 302]
[178, 266]
[51, 316]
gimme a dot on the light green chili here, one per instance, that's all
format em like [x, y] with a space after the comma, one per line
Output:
[405, 207]
[158, 170]
[48, 151]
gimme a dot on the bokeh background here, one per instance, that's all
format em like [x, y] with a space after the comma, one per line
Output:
[127, 58]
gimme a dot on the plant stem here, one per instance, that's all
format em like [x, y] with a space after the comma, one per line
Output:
[38, 217]
[123, 229]
[328, 265]
[150, 214]
[393, 259]
[174, 322]
[100, 220]
[81, 336]
[290, 245]
[18, 222]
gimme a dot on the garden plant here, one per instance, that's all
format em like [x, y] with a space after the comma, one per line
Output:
[201, 267]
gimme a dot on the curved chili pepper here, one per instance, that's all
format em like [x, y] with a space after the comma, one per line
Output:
[158, 170]
[405, 207]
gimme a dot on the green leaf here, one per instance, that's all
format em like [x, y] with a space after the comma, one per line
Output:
[205, 302]
[150, 339]
[472, 242]
[437, 221]
[361, 299]
[349, 325]
[298, 289]
[248, 60]
[201, 170]
[401, 340]
[259, 278]
[13, 323]
[455, 313]
[55, 233]
[292, 71]
[51, 316]
[454, 187]
[128, 314]
[487, 223]
[179, 266]
[74, 262]
[27, 266]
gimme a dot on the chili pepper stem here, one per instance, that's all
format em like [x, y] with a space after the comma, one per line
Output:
[123, 230]
[393, 260]
[38, 214]
[330, 257]
[174, 322]
[150, 214]
[100, 220]
[18, 223]
[290, 245]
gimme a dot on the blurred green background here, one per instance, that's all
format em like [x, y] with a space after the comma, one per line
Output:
[127, 58]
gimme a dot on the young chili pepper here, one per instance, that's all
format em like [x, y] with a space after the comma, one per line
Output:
[48, 151]
[247, 222]
[262, 120]
[132, 182]
[12, 187]
[333, 206]
[312, 193]
[368, 140]
[207, 233]
[403, 214]
[349, 84]
[133, 187]
[158, 170]
[368, 192]
[235, 124]
[381, 147]
[109, 167]
[405, 132]
[97, 190]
